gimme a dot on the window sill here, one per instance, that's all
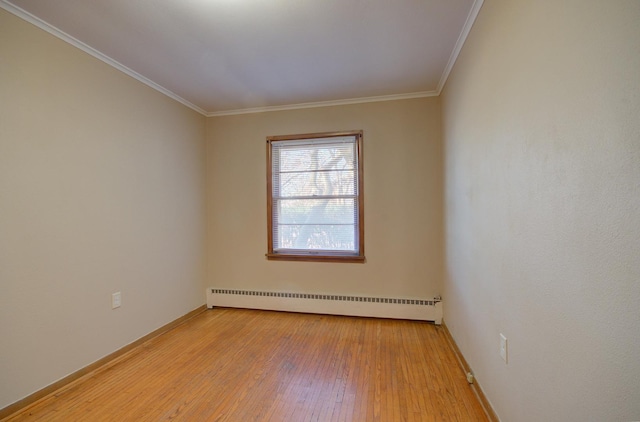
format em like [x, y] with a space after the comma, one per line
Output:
[315, 258]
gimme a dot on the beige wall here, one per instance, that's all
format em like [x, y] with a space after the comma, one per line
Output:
[542, 145]
[402, 191]
[101, 190]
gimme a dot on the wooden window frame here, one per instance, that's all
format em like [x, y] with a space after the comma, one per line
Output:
[359, 256]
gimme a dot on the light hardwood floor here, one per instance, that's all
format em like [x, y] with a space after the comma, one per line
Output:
[248, 365]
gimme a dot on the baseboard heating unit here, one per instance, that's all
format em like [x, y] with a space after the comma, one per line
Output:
[381, 307]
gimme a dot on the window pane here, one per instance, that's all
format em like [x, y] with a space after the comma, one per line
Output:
[320, 183]
[316, 211]
[316, 224]
[339, 156]
[334, 238]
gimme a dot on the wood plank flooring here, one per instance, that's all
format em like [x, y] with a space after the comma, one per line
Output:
[248, 365]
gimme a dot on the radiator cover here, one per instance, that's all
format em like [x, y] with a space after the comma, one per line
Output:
[365, 306]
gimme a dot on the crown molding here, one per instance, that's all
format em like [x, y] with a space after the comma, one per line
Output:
[23, 14]
[420, 94]
[468, 24]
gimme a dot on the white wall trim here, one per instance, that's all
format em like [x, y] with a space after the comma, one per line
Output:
[23, 14]
[471, 19]
[420, 94]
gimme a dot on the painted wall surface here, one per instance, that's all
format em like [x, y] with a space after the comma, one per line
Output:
[101, 190]
[402, 189]
[542, 144]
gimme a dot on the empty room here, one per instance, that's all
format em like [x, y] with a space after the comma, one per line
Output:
[355, 210]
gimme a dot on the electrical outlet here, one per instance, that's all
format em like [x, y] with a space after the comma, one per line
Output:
[503, 347]
[116, 300]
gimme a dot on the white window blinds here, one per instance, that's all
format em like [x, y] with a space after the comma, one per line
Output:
[315, 196]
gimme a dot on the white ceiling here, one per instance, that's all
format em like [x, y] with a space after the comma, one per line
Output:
[220, 56]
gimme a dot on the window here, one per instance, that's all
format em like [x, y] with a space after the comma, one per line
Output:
[314, 197]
